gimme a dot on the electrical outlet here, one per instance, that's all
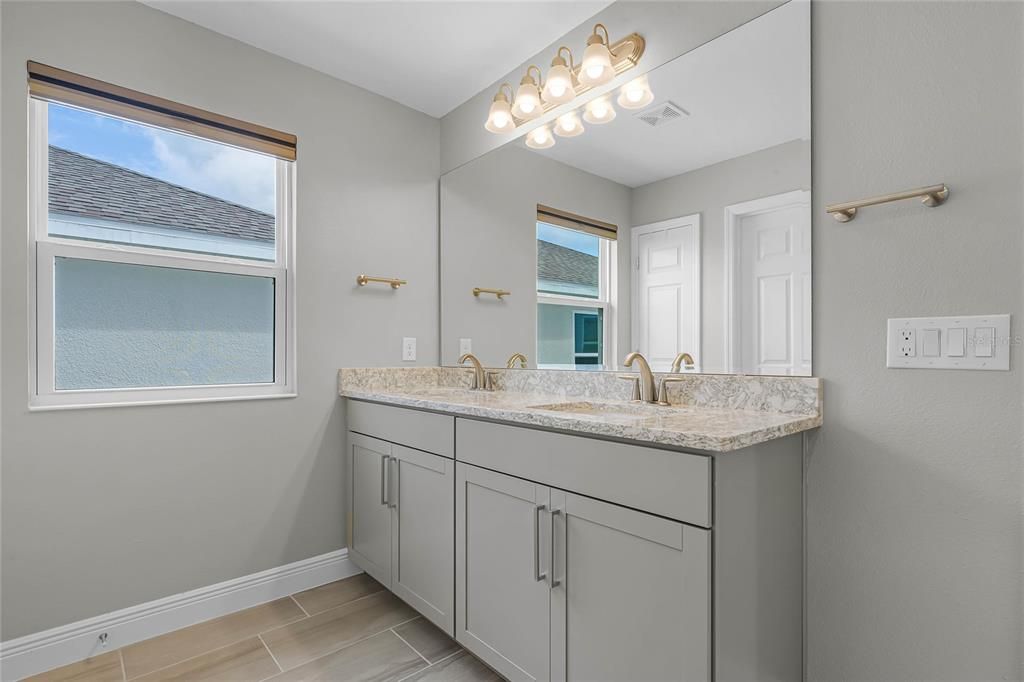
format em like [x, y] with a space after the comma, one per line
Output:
[907, 342]
[465, 346]
[409, 349]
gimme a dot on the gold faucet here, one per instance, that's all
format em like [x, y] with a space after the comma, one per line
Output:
[479, 377]
[648, 390]
[516, 357]
[680, 359]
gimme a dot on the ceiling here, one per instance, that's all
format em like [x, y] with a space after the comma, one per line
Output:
[431, 56]
[745, 91]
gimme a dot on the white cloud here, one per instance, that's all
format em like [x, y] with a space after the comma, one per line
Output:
[237, 175]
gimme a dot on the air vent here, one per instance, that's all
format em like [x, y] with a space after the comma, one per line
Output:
[662, 114]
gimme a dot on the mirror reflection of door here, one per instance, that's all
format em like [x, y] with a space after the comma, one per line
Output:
[770, 307]
[666, 286]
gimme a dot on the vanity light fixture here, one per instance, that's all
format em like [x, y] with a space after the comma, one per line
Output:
[499, 119]
[558, 89]
[568, 125]
[599, 111]
[540, 138]
[602, 61]
[636, 94]
[527, 102]
[596, 67]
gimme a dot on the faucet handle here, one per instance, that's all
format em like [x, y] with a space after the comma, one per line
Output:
[636, 385]
[663, 389]
[492, 381]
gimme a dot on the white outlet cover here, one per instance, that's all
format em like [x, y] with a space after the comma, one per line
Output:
[465, 346]
[961, 353]
[409, 349]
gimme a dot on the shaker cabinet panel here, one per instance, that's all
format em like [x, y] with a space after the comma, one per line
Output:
[423, 527]
[631, 599]
[502, 544]
[369, 461]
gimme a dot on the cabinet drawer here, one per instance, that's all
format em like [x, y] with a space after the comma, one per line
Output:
[421, 430]
[672, 484]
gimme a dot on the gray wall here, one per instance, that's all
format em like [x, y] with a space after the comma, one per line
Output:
[708, 191]
[489, 239]
[107, 508]
[914, 483]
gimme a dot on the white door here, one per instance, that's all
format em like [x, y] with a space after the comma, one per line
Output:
[631, 596]
[775, 290]
[502, 564]
[666, 290]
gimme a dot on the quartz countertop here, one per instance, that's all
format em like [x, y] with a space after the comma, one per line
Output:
[736, 412]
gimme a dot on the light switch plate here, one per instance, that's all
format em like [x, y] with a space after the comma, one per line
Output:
[963, 342]
[465, 346]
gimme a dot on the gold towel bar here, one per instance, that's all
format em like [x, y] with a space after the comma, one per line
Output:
[363, 280]
[497, 292]
[933, 195]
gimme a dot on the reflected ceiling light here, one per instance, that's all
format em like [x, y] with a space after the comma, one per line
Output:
[635, 94]
[540, 138]
[558, 89]
[599, 111]
[596, 67]
[527, 102]
[568, 125]
[499, 119]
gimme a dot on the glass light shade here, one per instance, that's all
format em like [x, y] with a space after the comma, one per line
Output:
[499, 119]
[527, 102]
[599, 111]
[558, 87]
[635, 94]
[568, 125]
[596, 68]
[540, 138]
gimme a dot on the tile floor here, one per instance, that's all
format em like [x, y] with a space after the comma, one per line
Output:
[348, 630]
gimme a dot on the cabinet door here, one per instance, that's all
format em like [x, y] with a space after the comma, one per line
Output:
[423, 533]
[370, 546]
[502, 555]
[631, 595]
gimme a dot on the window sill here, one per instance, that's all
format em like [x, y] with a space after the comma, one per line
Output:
[42, 407]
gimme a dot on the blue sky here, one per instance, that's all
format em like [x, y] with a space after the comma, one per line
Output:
[570, 239]
[237, 175]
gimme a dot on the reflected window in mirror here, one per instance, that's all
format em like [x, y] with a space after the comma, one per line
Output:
[572, 298]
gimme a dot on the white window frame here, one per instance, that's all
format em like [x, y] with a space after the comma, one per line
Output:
[605, 301]
[45, 248]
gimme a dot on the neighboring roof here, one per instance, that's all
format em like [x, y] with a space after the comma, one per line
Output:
[83, 186]
[561, 264]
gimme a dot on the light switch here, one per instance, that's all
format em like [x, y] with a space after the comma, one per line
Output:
[930, 343]
[983, 341]
[465, 346]
[956, 342]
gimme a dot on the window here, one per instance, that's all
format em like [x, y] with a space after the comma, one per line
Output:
[573, 292]
[162, 250]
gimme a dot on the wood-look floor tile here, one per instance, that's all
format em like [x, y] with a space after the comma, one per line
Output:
[165, 650]
[428, 639]
[379, 658]
[242, 661]
[337, 593]
[458, 668]
[295, 644]
[103, 668]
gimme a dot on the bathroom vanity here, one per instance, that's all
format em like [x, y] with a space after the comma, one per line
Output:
[561, 532]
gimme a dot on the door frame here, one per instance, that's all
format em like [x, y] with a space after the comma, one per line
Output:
[734, 213]
[635, 233]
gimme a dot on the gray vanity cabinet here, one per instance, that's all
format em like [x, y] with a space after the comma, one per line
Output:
[502, 553]
[631, 595]
[402, 518]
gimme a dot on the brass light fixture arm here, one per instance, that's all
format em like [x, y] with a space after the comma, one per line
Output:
[540, 75]
[558, 55]
[607, 38]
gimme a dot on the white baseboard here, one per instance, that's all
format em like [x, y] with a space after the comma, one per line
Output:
[59, 646]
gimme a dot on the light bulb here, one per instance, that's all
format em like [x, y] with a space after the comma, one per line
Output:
[594, 71]
[527, 102]
[596, 68]
[558, 87]
[540, 138]
[569, 125]
[599, 111]
[527, 105]
[499, 118]
[636, 94]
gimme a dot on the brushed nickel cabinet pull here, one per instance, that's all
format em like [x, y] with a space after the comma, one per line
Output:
[537, 575]
[555, 582]
[384, 480]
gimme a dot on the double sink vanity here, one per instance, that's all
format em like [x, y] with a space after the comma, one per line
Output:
[561, 531]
